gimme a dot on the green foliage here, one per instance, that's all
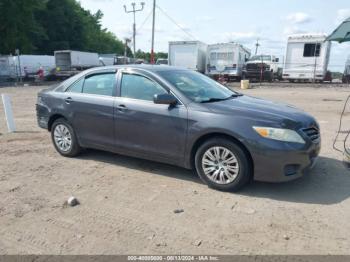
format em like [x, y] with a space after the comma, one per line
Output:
[43, 26]
[147, 55]
[19, 27]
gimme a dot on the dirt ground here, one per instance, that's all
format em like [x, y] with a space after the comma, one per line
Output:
[127, 205]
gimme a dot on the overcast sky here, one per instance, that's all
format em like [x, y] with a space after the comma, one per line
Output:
[213, 21]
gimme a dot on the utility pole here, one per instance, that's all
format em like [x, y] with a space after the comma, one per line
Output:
[153, 25]
[127, 40]
[19, 64]
[134, 10]
[257, 46]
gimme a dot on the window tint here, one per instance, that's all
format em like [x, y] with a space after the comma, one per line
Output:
[312, 50]
[77, 86]
[101, 84]
[139, 87]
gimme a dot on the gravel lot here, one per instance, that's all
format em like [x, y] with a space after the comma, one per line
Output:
[127, 205]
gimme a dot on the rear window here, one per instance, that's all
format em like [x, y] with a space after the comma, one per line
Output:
[101, 84]
[312, 50]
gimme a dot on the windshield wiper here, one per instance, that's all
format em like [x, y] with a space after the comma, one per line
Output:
[221, 99]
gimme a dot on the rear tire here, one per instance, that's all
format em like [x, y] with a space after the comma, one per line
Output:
[219, 172]
[64, 138]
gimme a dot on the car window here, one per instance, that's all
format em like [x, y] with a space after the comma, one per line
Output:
[196, 86]
[101, 84]
[139, 87]
[76, 87]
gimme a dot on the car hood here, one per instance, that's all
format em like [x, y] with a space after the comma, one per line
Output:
[258, 62]
[260, 110]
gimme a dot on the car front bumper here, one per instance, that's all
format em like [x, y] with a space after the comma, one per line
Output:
[281, 162]
[257, 74]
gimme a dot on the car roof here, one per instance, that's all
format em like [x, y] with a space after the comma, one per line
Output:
[151, 68]
[101, 69]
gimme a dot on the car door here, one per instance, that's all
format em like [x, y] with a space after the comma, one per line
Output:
[90, 105]
[142, 127]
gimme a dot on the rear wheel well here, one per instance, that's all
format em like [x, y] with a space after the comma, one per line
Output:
[206, 137]
[52, 119]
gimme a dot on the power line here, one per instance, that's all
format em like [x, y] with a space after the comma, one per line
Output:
[172, 20]
[141, 26]
[144, 22]
[133, 11]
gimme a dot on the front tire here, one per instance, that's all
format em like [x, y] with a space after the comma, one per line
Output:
[223, 165]
[64, 138]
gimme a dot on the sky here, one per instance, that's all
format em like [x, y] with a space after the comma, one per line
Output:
[220, 21]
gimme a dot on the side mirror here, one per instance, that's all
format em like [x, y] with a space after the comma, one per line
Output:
[277, 60]
[165, 99]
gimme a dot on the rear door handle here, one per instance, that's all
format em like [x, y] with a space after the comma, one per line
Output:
[68, 100]
[121, 108]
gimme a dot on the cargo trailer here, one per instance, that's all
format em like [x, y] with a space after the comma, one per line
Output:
[307, 57]
[25, 66]
[226, 60]
[69, 62]
[188, 54]
[107, 59]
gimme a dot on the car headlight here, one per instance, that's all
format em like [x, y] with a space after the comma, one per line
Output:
[281, 134]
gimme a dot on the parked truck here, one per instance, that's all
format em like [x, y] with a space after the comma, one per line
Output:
[188, 54]
[25, 66]
[69, 62]
[306, 58]
[107, 59]
[263, 68]
[226, 60]
[346, 75]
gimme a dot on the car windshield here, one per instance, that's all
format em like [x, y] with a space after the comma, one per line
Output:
[197, 87]
[260, 57]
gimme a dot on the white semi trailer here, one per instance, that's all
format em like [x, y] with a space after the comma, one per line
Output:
[306, 58]
[188, 54]
[25, 66]
[69, 62]
[227, 60]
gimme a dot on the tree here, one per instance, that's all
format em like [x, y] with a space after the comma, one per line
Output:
[19, 27]
[43, 26]
[147, 55]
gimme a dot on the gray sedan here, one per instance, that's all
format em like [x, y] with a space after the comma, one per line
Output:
[183, 118]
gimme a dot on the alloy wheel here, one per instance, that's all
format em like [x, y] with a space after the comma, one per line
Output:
[63, 138]
[220, 165]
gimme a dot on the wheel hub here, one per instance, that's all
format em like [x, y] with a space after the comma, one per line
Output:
[220, 165]
[62, 138]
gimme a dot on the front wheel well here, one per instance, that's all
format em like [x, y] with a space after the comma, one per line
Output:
[206, 137]
[52, 119]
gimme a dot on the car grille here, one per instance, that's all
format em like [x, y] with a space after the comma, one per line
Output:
[257, 66]
[313, 133]
[252, 67]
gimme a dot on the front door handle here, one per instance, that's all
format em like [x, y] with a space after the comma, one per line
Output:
[121, 108]
[68, 100]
